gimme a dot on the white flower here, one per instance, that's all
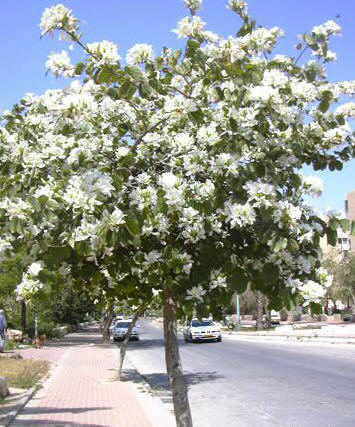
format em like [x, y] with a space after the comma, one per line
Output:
[274, 78]
[238, 6]
[313, 185]
[189, 27]
[208, 133]
[151, 258]
[168, 180]
[59, 64]
[303, 90]
[139, 53]
[44, 191]
[104, 53]
[87, 230]
[193, 5]
[218, 280]
[121, 152]
[262, 93]
[117, 218]
[346, 110]
[143, 178]
[282, 59]
[239, 215]
[312, 291]
[58, 17]
[211, 37]
[327, 29]
[324, 277]
[5, 245]
[197, 292]
[34, 268]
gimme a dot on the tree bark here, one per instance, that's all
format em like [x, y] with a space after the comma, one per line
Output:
[105, 326]
[259, 310]
[353, 310]
[173, 363]
[123, 347]
[23, 316]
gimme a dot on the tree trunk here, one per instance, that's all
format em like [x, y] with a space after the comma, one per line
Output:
[23, 316]
[123, 347]
[105, 326]
[267, 323]
[259, 310]
[173, 364]
[353, 310]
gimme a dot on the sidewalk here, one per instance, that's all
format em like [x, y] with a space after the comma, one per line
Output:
[333, 333]
[81, 390]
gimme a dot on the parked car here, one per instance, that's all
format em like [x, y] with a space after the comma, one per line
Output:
[275, 317]
[205, 330]
[121, 328]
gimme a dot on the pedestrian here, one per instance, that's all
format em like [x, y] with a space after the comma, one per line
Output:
[3, 327]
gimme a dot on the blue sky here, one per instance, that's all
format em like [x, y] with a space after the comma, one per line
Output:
[127, 22]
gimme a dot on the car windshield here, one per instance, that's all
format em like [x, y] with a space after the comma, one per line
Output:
[123, 324]
[197, 323]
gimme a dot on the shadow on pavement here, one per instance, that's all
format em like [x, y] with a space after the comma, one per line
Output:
[151, 343]
[159, 381]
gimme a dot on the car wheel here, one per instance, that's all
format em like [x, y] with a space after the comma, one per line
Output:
[185, 338]
[115, 339]
[219, 339]
[191, 339]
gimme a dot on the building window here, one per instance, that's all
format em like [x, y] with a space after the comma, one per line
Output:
[346, 206]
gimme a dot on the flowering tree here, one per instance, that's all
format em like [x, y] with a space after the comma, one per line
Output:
[177, 175]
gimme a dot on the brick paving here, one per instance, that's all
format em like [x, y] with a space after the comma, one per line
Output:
[81, 390]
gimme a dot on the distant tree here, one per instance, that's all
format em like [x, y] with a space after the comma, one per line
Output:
[342, 267]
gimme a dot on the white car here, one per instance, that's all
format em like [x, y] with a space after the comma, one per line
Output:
[205, 330]
[275, 317]
[121, 328]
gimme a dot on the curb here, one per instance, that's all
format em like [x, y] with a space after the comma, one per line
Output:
[9, 418]
[164, 396]
[293, 338]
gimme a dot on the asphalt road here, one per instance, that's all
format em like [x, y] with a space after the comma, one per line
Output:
[240, 383]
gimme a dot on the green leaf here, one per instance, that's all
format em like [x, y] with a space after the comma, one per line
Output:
[105, 76]
[280, 245]
[132, 224]
[323, 106]
[127, 90]
[309, 40]
[233, 124]
[344, 224]
[145, 90]
[270, 274]
[352, 228]
[79, 68]
[134, 72]
[219, 93]
[316, 308]
[338, 165]
[340, 119]
[238, 281]
[332, 237]
[57, 254]
[197, 116]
